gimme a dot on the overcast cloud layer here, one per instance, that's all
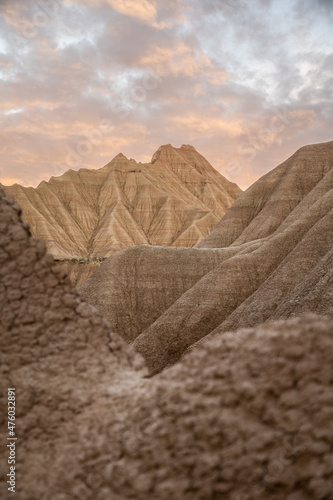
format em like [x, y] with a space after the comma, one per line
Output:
[247, 82]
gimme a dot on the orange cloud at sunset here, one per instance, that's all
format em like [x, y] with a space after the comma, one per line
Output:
[183, 60]
[144, 10]
[204, 125]
[244, 85]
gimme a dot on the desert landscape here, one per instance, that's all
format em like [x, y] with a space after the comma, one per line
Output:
[87, 215]
[240, 406]
[166, 250]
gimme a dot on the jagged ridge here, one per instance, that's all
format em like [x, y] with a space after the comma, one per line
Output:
[175, 200]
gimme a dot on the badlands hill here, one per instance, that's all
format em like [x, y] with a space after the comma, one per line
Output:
[246, 415]
[272, 259]
[175, 200]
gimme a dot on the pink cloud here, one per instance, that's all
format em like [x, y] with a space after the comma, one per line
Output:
[145, 10]
[230, 86]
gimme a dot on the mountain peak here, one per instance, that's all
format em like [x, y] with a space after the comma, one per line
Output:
[120, 156]
[94, 213]
[168, 149]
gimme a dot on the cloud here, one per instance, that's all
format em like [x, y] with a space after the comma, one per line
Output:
[144, 10]
[184, 60]
[201, 124]
[246, 83]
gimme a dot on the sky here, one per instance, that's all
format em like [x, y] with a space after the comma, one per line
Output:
[246, 82]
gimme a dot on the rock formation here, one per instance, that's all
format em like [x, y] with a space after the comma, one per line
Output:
[132, 288]
[277, 199]
[175, 200]
[276, 242]
[54, 347]
[245, 415]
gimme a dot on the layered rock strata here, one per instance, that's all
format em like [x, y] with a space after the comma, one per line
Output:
[174, 200]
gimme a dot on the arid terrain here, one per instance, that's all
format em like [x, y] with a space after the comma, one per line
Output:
[197, 368]
[270, 257]
[175, 200]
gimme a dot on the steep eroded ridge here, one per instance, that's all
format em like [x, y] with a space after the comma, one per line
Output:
[274, 242]
[175, 200]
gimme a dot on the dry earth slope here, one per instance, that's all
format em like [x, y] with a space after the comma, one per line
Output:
[275, 245]
[175, 200]
[135, 286]
[247, 415]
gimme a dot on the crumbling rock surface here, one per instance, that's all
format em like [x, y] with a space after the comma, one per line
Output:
[54, 348]
[245, 415]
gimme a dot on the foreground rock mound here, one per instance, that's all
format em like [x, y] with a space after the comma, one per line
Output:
[245, 415]
[54, 349]
[175, 200]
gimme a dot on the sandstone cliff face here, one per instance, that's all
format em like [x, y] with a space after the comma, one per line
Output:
[246, 414]
[276, 242]
[175, 200]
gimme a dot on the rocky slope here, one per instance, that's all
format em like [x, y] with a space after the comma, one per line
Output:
[276, 243]
[276, 199]
[135, 286]
[175, 200]
[246, 414]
